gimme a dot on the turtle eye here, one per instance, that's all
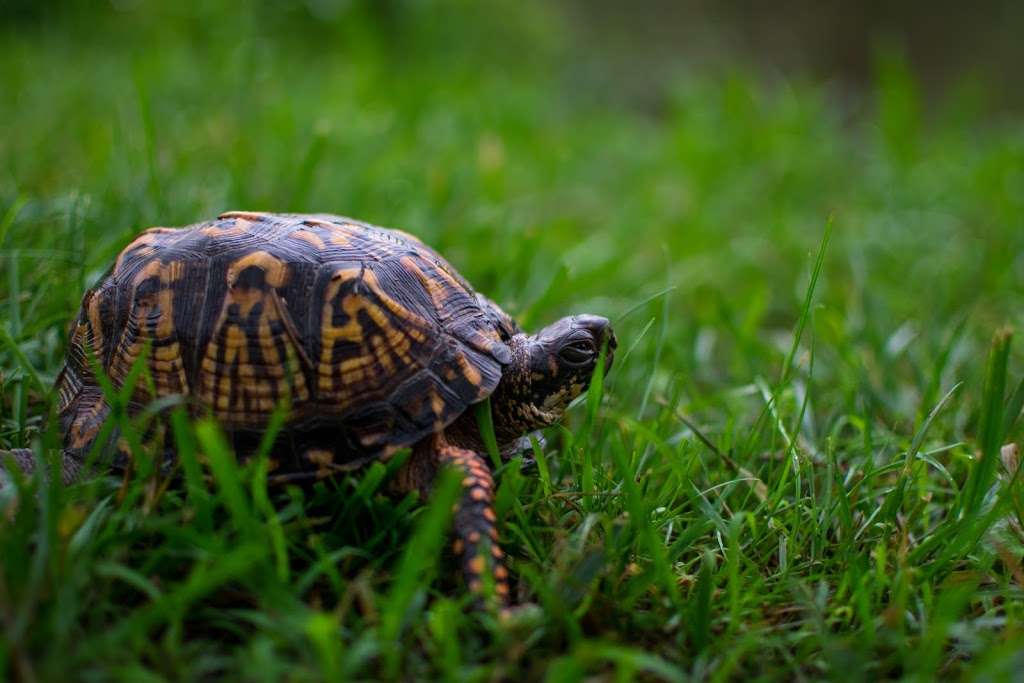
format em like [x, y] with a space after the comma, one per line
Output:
[578, 352]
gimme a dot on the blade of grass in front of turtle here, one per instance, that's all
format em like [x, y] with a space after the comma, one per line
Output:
[394, 519]
[143, 464]
[591, 453]
[19, 401]
[225, 472]
[273, 525]
[258, 489]
[198, 495]
[415, 568]
[274, 426]
[485, 422]
[119, 398]
[596, 389]
[369, 482]
[507, 499]
[542, 465]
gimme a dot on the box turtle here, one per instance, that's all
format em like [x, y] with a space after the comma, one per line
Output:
[373, 341]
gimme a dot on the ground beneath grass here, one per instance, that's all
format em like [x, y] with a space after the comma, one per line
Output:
[793, 471]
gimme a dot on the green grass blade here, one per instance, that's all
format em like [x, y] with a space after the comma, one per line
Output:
[485, 422]
[418, 561]
[990, 435]
[226, 473]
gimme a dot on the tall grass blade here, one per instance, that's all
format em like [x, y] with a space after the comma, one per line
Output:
[418, 561]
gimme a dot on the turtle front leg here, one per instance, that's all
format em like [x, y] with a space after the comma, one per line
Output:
[476, 541]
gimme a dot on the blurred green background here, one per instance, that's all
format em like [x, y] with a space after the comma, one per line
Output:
[670, 165]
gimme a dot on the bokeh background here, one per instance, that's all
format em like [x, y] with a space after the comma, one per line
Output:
[673, 165]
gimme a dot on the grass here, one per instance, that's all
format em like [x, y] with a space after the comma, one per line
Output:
[793, 471]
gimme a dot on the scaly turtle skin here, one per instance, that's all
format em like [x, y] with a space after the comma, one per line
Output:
[372, 340]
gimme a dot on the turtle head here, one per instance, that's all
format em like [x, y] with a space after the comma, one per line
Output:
[549, 370]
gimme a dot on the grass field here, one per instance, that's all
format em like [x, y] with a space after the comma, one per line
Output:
[793, 471]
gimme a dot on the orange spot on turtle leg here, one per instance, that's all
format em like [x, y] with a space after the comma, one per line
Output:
[477, 537]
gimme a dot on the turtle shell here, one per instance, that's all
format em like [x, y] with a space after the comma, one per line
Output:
[371, 339]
